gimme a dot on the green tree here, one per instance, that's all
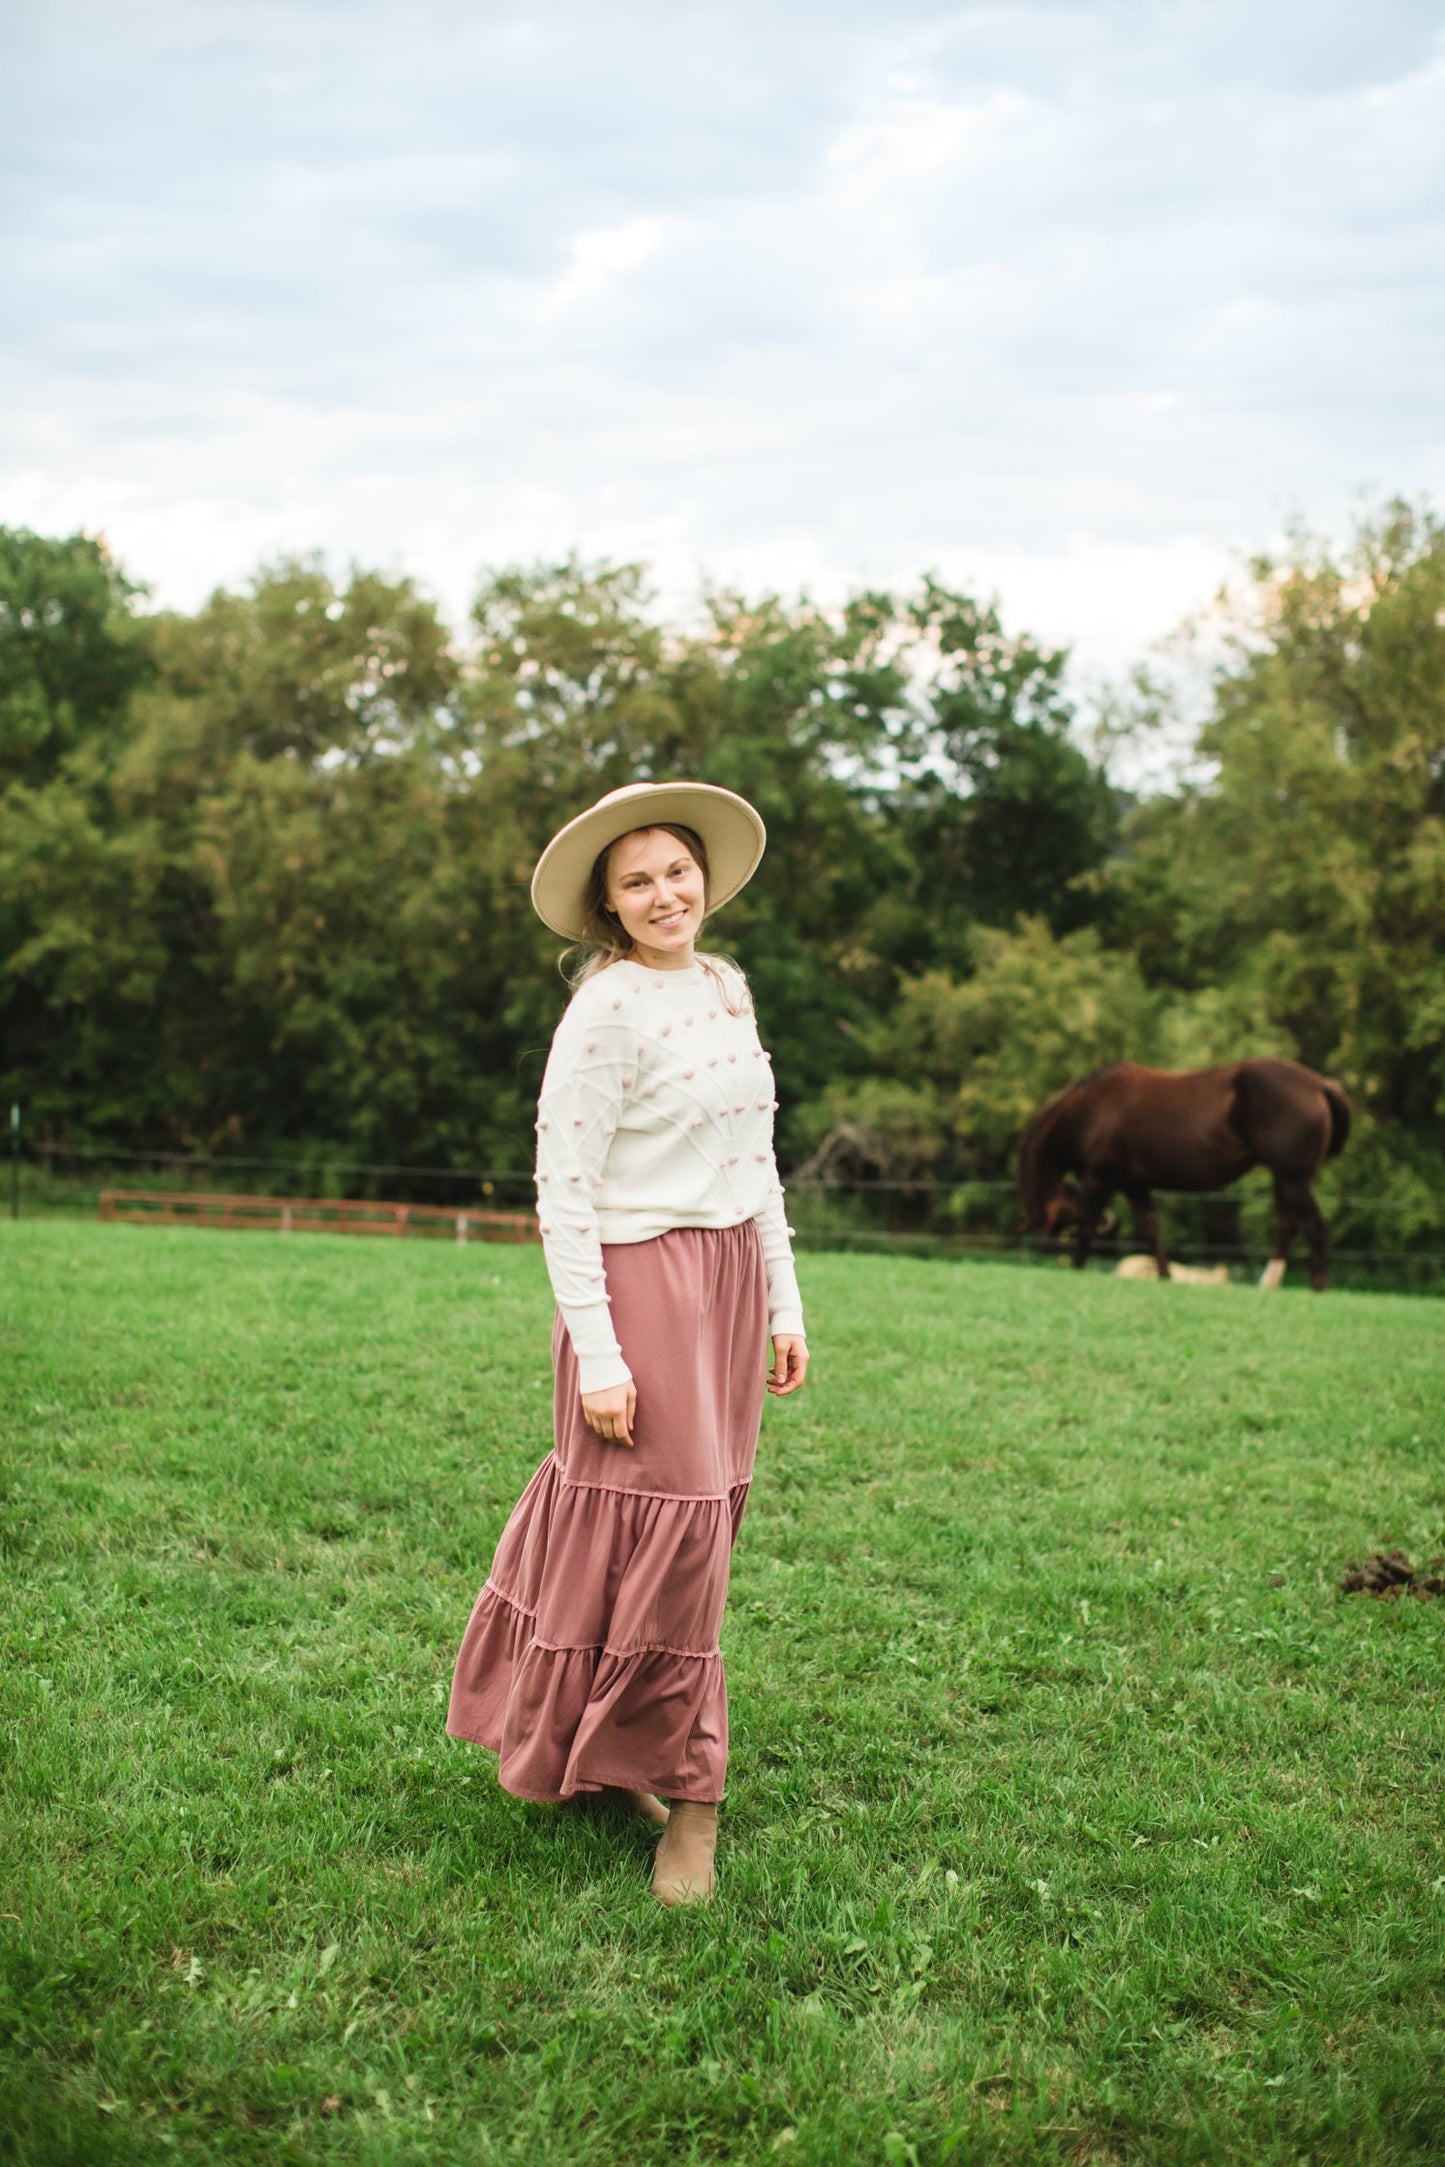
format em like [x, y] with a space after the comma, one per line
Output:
[298, 667]
[1299, 882]
[1001, 812]
[1309, 865]
[71, 649]
[987, 1049]
[123, 1009]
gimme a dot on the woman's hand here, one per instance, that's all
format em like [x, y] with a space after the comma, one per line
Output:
[611, 1413]
[790, 1363]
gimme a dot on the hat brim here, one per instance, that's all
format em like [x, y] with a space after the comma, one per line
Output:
[732, 833]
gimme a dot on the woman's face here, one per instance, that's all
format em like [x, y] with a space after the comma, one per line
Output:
[655, 885]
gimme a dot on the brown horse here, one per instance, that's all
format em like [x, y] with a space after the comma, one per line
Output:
[1135, 1129]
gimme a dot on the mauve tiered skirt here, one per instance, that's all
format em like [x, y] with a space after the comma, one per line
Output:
[591, 1657]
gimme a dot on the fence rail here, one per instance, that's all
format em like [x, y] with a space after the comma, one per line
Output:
[490, 1178]
[311, 1215]
[1376, 1240]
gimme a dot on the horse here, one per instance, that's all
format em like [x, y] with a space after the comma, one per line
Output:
[1132, 1129]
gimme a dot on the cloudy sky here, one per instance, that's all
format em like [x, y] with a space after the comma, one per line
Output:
[1070, 301]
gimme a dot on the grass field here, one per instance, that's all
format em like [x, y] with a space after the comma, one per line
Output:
[1074, 1815]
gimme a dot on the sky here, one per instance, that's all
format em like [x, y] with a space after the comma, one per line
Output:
[1074, 304]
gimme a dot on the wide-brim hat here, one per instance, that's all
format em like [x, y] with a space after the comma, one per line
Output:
[732, 833]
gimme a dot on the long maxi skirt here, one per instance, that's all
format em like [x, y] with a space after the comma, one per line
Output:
[591, 1657]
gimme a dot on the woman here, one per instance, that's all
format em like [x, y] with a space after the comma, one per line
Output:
[591, 1662]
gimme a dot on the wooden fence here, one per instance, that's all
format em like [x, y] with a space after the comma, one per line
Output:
[312, 1215]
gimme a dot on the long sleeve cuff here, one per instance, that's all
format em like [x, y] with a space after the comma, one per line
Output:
[785, 1303]
[600, 1363]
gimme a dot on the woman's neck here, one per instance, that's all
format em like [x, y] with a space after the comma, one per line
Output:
[665, 959]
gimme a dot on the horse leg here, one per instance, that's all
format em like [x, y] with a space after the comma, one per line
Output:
[1146, 1227]
[1286, 1225]
[1092, 1200]
[1318, 1238]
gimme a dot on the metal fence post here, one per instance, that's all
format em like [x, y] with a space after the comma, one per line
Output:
[15, 1160]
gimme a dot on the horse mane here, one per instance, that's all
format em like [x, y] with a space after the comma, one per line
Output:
[1032, 1166]
[1035, 1172]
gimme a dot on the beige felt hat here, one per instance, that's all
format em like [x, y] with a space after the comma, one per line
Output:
[733, 834]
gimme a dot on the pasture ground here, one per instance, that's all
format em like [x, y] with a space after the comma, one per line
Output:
[1074, 1816]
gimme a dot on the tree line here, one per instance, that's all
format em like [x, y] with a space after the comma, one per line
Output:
[264, 867]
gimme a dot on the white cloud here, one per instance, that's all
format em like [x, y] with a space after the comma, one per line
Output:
[597, 259]
[917, 137]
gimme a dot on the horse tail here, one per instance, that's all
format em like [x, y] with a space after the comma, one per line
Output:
[1339, 1107]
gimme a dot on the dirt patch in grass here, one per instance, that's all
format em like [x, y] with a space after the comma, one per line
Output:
[1389, 1575]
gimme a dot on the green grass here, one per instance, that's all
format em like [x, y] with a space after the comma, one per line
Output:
[1074, 1815]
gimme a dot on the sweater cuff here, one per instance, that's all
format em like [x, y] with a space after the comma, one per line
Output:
[600, 1372]
[786, 1318]
[599, 1358]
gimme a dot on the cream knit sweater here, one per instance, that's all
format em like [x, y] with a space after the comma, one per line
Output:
[656, 1112]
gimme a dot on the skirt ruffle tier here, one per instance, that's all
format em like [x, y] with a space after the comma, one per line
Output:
[591, 1658]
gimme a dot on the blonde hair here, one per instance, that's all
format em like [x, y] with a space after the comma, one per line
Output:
[604, 942]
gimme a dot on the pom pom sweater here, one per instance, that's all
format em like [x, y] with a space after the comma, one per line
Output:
[656, 1112]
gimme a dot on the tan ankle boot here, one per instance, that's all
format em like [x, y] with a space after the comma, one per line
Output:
[683, 1870]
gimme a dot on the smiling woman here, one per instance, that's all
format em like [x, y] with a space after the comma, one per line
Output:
[647, 894]
[591, 1660]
